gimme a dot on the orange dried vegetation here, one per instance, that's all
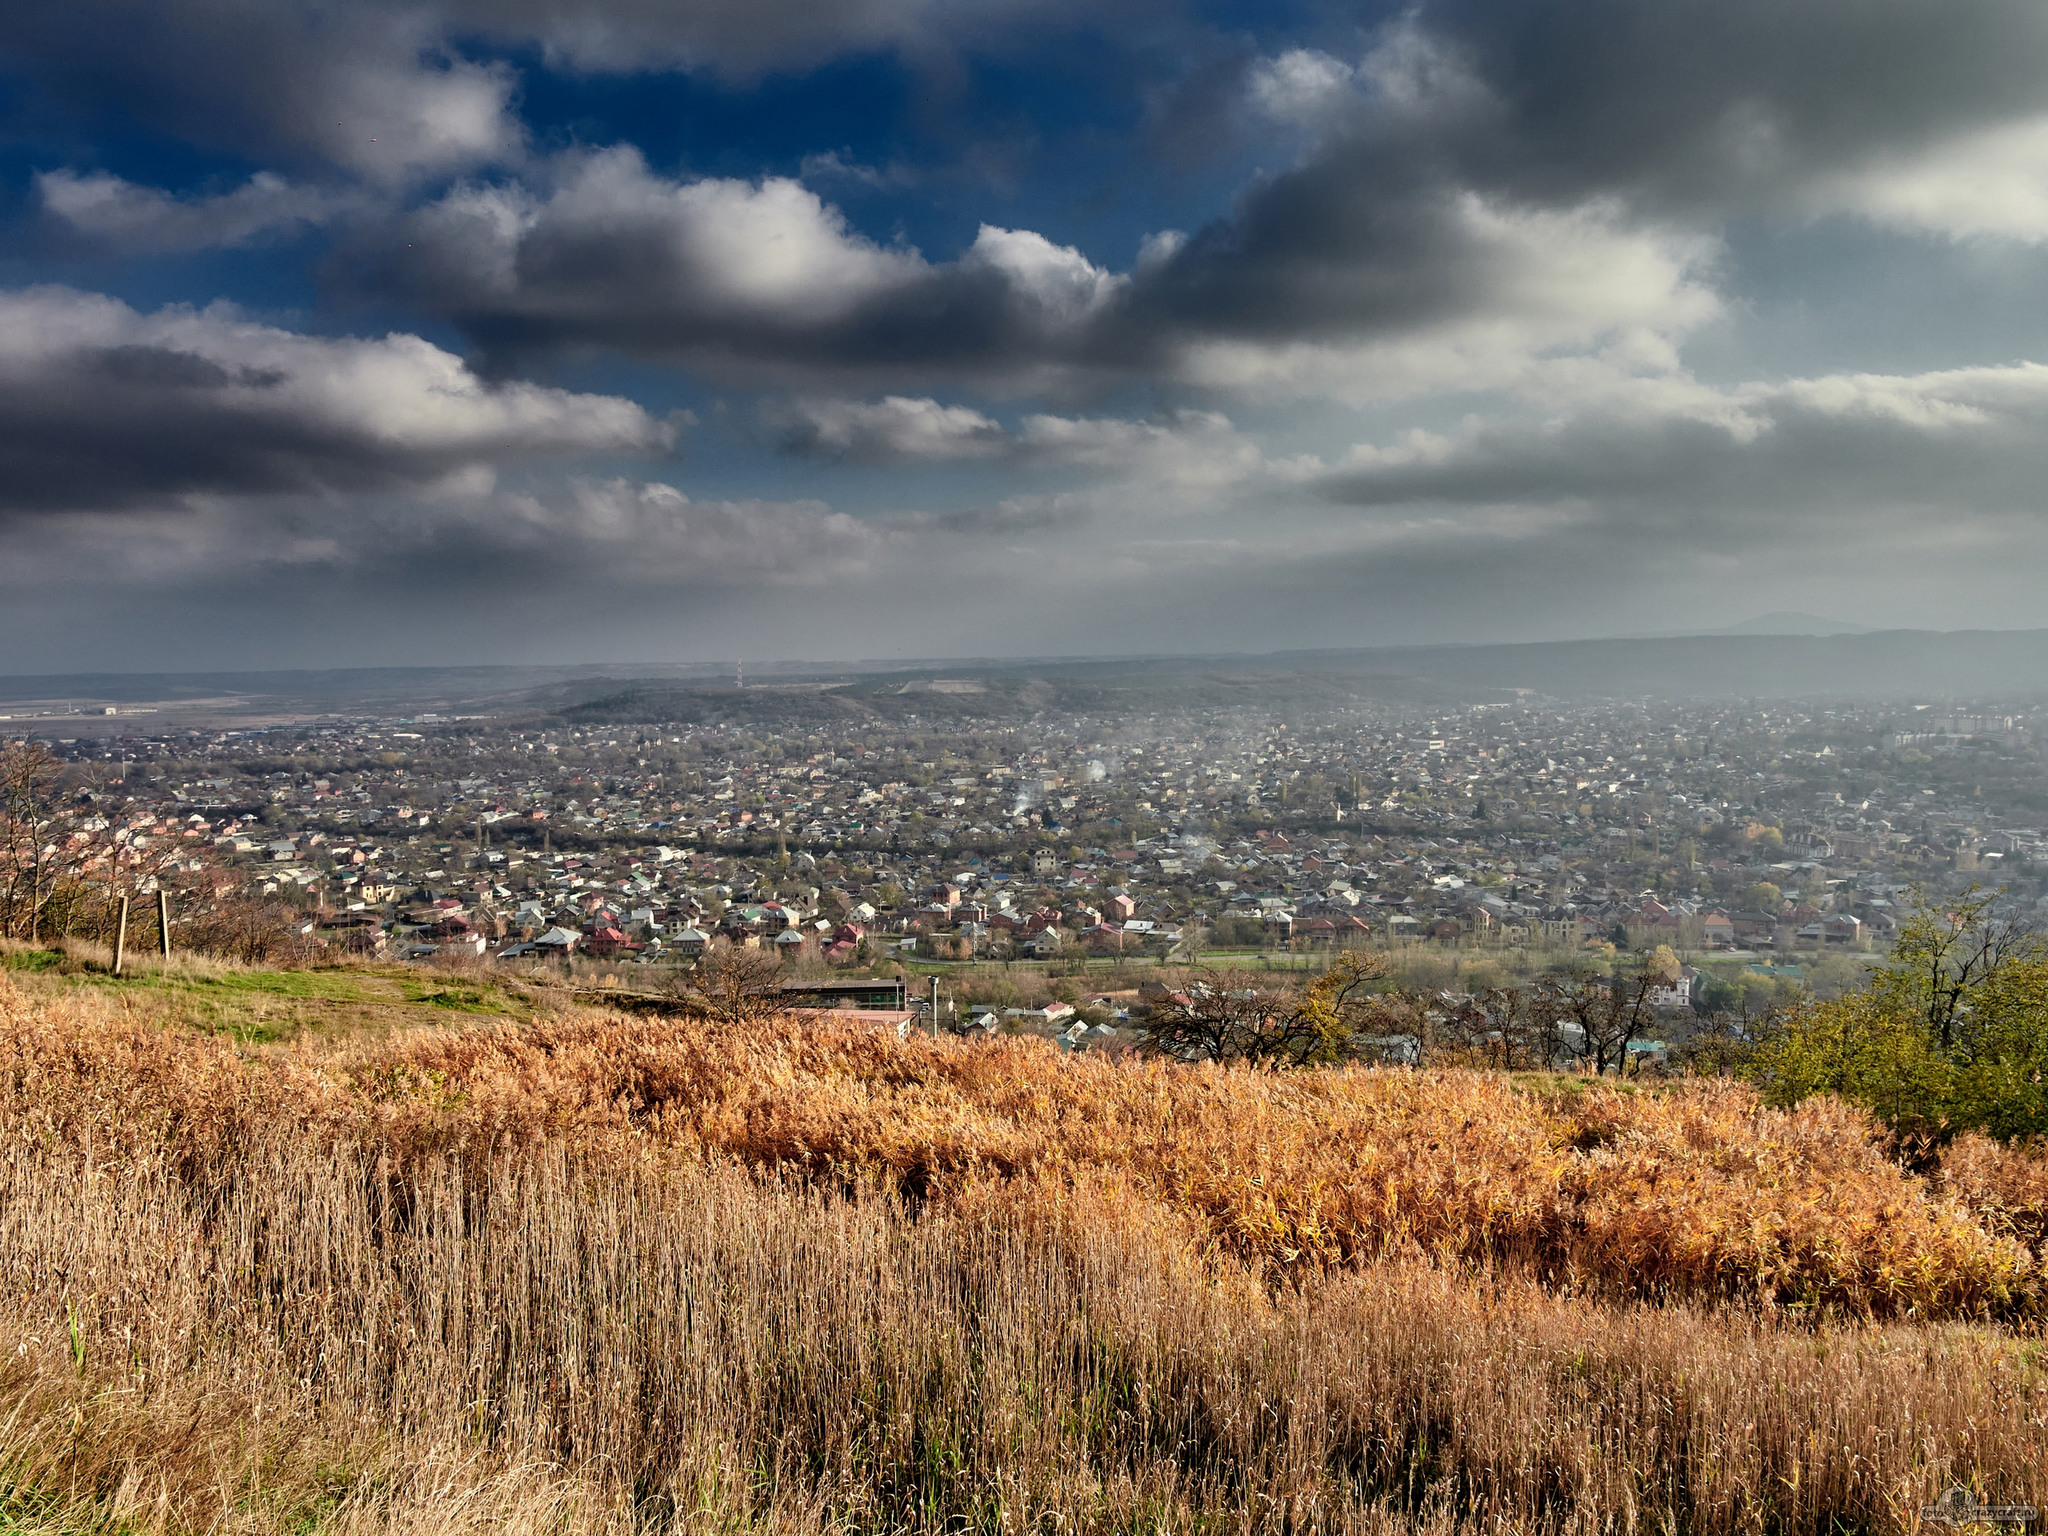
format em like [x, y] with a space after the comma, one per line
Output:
[1694, 1191]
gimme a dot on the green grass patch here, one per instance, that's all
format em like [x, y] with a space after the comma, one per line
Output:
[32, 960]
[461, 999]
[259, 1006]
[326, 986]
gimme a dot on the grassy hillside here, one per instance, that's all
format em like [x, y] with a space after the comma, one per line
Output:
[255, 1005]
[561, 1270]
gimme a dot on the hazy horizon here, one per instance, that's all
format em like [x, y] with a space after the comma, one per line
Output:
[883, 660]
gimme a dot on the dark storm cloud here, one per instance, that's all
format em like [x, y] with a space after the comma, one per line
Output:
[1477, 142]
[1675, 116]
[1721, 103]
[102, 408]
[370, 89]
[386, 89]
[1681, 104]
[1525, 199]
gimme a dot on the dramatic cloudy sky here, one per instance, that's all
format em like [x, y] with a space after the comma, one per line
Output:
[472, 330]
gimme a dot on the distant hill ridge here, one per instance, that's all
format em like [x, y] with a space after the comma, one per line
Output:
[1783, 623]
[1899, 663]
[1890, 663]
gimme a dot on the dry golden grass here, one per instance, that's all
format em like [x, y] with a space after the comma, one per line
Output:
[1693, 1192]
[2004, 1187]
[593, 1274]
[320, 1342]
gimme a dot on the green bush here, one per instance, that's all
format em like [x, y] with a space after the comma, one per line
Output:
[1950, 1034]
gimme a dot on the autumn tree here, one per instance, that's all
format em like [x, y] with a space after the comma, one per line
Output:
[1950, 1033]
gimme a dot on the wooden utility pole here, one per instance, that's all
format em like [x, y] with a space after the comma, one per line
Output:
[163, 923]
[121, 936]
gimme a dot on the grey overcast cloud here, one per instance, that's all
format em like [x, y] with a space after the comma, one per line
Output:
[493, 331]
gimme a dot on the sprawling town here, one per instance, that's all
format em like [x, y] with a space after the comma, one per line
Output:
[1767, 848]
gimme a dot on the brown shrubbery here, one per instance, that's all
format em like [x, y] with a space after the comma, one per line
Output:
[589, 1273]
[1693, 1191]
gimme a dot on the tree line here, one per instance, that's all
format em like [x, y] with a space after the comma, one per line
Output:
[1949, 1033]
[65, 870]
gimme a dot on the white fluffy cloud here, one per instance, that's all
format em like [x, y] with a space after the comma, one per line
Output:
[1990, 182]
[648, 532]
[1303, 86]
[1971, 442]
[612, 254]
[102, 406]
[894, 429]
[1424, 290]
[103, 207]
[1063, 289]
[1186, 449]
[748, 276]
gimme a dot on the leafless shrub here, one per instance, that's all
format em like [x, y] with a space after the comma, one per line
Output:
[254, 930]
[733, 985]
[1251, 1016]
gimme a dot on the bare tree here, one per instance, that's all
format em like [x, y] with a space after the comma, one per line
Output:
[43, 852]
[64, 867]
[254, 929]
[1404, 1012]
[1245, 1016]
[1508, 1028]
[1727, 1041]
[731, 985]
[1610, 1013]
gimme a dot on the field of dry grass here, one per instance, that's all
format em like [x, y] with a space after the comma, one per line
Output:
[572, 1272]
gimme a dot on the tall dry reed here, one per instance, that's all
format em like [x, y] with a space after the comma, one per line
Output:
[589, 1274]
[1696, 1192]
[704, 1348]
